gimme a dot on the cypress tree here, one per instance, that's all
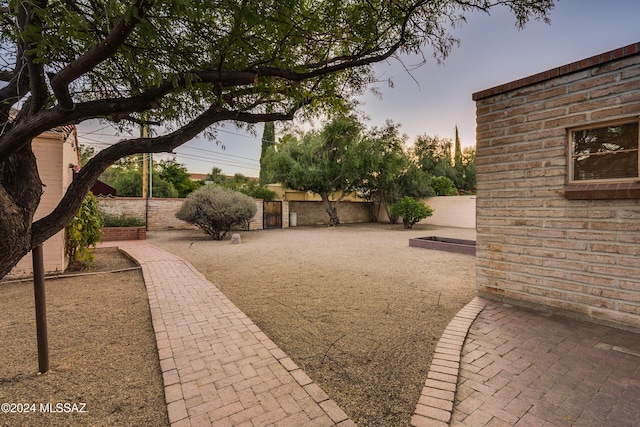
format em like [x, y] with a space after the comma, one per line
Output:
[458, 152]
[268, 139]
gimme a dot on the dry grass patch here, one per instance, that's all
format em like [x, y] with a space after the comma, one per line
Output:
[101, 344]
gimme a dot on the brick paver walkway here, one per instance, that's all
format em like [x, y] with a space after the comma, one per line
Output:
[495, 365]
[218, 367]
[524, 368]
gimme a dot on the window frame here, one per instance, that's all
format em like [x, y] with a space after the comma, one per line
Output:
[571, 155]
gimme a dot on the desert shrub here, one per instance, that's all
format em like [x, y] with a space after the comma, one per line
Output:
[411, 211]
[443, 186]
[83, 232]
[215, 210]
[121, 220]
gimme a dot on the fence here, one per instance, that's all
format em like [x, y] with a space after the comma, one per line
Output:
[459, 211]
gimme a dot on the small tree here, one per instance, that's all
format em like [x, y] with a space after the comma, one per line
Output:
[215, 210]
[411, 211]
[83, 232]
[176, 174]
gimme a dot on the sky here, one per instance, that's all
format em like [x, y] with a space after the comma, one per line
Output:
[436, 98]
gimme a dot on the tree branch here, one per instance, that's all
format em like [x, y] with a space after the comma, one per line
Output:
[71, 201]
[97, 54]
[19, 84]
[6, 76]
[37, 83]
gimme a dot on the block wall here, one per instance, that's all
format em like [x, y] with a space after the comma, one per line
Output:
[313, 213]
[534, 245]
[161, 212]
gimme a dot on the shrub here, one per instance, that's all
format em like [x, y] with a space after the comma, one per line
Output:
[83, 232]
[261, 192]
[411, 211]
[215, 210]
[121, 221]
[443, 186]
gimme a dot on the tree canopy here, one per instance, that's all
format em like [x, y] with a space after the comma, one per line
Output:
[191, 65]
[330, 161]
[176, 174]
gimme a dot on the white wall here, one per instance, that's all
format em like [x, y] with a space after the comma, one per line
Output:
[452, 211]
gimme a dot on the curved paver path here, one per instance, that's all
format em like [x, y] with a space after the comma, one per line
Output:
[437, 399]
[519, 367]
[218, 367]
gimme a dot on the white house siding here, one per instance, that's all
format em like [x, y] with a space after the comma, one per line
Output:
[53, 154]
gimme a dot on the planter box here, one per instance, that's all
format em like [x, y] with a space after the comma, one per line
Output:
[459, 246]
[114, 234]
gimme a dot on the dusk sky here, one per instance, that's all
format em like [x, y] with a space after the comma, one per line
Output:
[436, 98]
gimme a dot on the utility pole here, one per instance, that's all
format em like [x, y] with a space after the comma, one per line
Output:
[41, 309]
[144, 133]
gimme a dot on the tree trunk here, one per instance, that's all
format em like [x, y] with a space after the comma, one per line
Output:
[20, 192]
[332, 210]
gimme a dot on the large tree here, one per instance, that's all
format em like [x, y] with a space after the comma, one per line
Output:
[388, 163]
[331, 162]
[189, 63]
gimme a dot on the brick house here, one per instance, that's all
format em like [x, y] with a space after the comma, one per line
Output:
[56, 152]
[558, 202]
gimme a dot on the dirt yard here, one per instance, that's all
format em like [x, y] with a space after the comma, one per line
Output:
[103, 358]
[357, 308]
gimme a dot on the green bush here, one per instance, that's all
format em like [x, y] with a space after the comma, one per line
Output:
[121, 220]
[261, 192]
[215, 210]
[83, 232]
[443, 186]
[411, 211]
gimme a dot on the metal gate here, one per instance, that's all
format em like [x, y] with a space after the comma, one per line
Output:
[272, 215]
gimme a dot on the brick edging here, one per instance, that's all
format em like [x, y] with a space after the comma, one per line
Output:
[435, 405]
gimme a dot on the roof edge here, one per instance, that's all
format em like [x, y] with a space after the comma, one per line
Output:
[603, 58]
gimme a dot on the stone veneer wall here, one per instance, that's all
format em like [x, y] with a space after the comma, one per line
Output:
[540, 242]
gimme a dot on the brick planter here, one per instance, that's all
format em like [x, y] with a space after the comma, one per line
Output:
[113, 234]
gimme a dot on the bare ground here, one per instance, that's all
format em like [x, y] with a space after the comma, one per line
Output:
[357, 308]
[102, 351]
[354, 306]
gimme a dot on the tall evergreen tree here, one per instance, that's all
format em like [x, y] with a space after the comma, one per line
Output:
[459, 181]
[268, 139]
[458, 152]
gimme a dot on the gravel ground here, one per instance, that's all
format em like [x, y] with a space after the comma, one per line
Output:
[357, 308]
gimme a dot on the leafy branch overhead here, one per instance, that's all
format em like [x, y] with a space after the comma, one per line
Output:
[192, 65]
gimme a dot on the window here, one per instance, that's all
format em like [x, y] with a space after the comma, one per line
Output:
[605, 153]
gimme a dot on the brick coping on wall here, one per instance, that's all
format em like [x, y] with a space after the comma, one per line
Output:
[603, 58]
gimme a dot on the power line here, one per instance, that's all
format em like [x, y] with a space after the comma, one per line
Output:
[218, 152]
[217, 162]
